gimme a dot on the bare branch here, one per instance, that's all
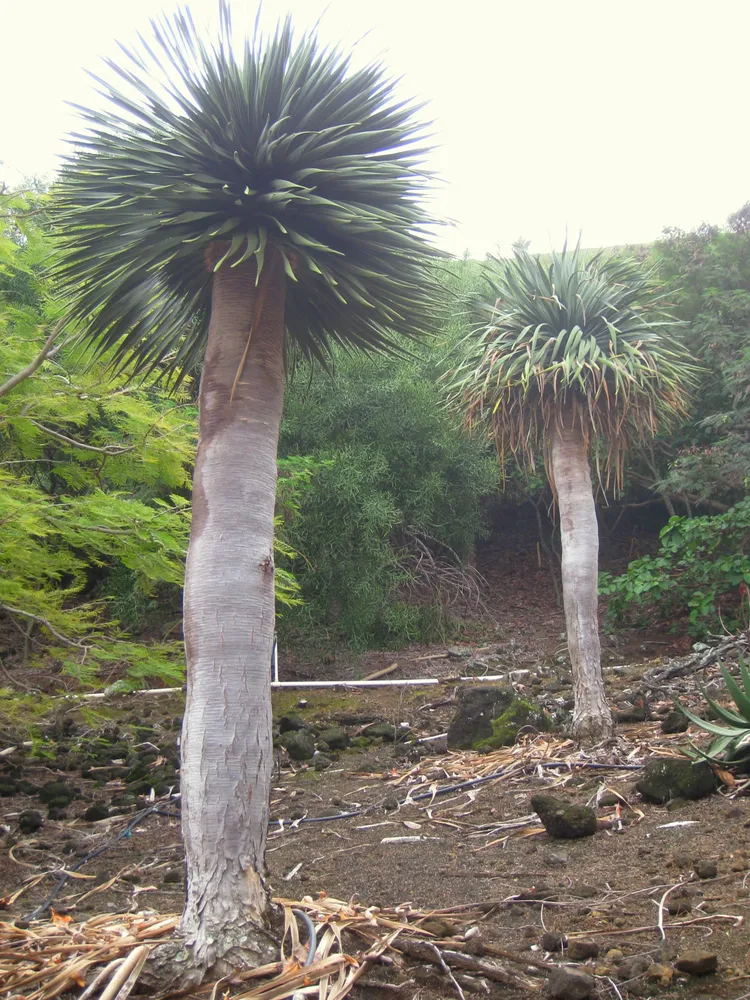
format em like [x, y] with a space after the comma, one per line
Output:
[110, 449]
[43, 621]
[38, 360]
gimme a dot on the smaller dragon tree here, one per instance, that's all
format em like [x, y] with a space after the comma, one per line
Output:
[572, 358]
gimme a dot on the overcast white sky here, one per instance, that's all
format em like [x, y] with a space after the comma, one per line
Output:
[608, 117]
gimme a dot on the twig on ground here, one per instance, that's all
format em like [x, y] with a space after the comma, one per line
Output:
[446, 970]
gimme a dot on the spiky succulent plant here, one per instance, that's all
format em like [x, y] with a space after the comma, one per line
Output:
[732, 732]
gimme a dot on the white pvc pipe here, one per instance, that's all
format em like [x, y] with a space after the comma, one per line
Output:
[409, 682]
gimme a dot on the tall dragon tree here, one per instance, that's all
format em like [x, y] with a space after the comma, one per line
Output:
[572, 359]
[239, 205]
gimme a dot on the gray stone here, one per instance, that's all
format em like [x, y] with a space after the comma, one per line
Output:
[570, 984]
[666, 778]
[30, 821]
[298, 744]
[321, 762]
[580, 949]
[630, 968]
[552, 942]
[478, 705]
[706, 869]
[336, 737]
[697, 963]
[674, 722]
[564, 820]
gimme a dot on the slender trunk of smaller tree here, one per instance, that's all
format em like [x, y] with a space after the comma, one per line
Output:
[579, 535]
[226, 748]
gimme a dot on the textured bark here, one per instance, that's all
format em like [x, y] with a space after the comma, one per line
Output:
[229, 623]
[579, 534]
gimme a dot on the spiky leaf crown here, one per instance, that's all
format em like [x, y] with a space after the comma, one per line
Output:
[562, 334]
[284, 146]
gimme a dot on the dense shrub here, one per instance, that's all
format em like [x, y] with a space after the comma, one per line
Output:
[702, 570]
[393, 473]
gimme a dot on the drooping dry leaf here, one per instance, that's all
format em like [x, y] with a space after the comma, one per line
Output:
[725, 777]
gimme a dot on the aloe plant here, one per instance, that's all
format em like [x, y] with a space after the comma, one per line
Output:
[732, 742]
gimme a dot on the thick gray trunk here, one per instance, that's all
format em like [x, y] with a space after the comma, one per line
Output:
[229, 622]
[579, 534]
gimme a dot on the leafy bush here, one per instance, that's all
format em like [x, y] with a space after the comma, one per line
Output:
[392, 472]
[701, 569]
[707, 273]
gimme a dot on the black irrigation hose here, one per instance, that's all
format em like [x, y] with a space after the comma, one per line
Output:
[464, 784]
[43, 907]
[312, 937]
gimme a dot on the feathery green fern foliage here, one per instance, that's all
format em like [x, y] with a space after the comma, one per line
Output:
[94, 488]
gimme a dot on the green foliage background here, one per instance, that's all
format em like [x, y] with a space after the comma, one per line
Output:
[95, 481]
[702, 567]
[393, 470]
[374, 472]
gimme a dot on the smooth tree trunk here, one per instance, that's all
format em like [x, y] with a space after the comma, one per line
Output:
[229, 612]
[579, 534]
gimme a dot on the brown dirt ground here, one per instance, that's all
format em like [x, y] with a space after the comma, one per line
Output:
[607, 885]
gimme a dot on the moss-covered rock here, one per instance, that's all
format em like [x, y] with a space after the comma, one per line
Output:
[384, 731]
[292, 723]
[56, 791]
[62, 802]
[518, 716]
[96, 812]
[564, 820]
[666, 778]
[478, 705]
[361, 742]
[336, 738]
[298, 744]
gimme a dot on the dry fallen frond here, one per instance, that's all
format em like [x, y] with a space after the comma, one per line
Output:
[56, 956]
[104, 956]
